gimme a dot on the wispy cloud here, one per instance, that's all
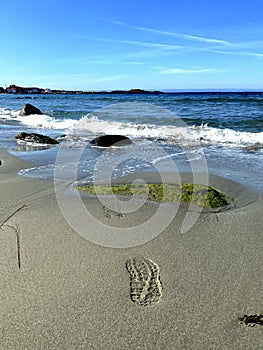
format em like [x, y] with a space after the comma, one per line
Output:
[253, 44]
[173, 34]
[137, 43]
[96, 60]
[115, 77]
[222, 47]
[70, 76]
[206, 45]
[236, 53]
[166, 70]
[152, 45]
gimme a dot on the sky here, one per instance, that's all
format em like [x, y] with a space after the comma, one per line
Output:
[146, 44]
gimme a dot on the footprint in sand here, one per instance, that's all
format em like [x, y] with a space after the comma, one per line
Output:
[146, 287]
[110, 214]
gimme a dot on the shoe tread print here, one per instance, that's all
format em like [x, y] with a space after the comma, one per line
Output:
[145, 284]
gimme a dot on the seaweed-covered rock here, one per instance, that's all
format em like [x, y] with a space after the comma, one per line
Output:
[29, 109]
[111, 140]
[36, 138]
[200, 195]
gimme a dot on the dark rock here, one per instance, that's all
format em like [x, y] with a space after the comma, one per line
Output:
[254, 148]
[36, 138]
[111, 140]
[254, 319]
[29, 109]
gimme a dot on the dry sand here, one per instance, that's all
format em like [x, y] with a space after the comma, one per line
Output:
[73, 294]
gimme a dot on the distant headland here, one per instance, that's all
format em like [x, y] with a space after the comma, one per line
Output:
[14, 89]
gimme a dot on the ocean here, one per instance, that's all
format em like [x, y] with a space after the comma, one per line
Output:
[200, 132]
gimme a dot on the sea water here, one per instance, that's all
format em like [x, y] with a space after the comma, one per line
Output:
[216, 132]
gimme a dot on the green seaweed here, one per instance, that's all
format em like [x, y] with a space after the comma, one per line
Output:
[201, 195]
[20, 135]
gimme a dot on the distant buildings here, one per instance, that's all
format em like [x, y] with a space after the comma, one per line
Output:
[14, 89]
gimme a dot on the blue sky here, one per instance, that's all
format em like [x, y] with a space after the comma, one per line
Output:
[147, 44]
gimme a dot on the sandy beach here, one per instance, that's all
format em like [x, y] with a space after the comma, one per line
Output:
[73, 294]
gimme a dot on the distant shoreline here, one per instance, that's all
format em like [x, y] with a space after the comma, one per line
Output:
[14, 89]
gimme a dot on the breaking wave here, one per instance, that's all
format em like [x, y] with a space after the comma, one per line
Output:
[91, 125]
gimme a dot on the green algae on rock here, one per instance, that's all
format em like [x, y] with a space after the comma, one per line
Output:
[200, 195]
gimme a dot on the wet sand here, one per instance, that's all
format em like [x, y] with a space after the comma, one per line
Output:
[179, 290]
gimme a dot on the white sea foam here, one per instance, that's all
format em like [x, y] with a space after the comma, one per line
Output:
[172, 134]
[7, 113]
[182, 134]
[45, 121]
[37, 120]
[226, 136]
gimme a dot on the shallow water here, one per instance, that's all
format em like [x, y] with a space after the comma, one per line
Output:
[219, 133]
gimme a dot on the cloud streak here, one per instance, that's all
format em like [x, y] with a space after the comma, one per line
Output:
[116, 77]
[176, 35]
[138, 43]
[152, 45]
[163, 70]
[222, 47]
[236, 53]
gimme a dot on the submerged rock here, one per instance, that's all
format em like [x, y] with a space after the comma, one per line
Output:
[36, 138]
[29, 109]
[254, 148]
[111, 140]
